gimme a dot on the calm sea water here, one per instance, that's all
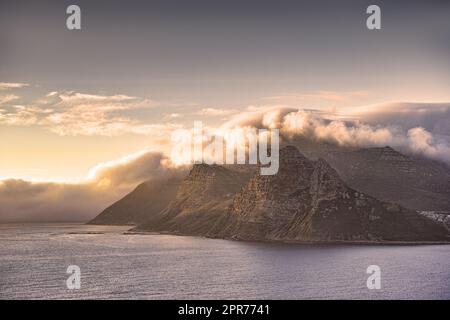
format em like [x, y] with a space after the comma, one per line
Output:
[34, 259]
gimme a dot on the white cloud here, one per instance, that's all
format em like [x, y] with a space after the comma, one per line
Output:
[22, 201]
[8, 98]
[259, 117]
[215, 112]
[12, 85]
[128, 170]
[22, 115]
[74, 113]
[172, 116]
[434, 117]
[317, 126]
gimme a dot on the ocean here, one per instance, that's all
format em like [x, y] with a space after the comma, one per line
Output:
[114, 265]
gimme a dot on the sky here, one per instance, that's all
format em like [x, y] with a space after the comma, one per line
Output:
[73, 101]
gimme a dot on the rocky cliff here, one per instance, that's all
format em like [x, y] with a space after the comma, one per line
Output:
[308, 201]
[386, 174]
[203, 198]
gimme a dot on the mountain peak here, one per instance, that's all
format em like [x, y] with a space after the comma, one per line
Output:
[203, 167]
[385, 151]
[305, 201]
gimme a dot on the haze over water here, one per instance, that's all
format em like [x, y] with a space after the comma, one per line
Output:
[34, 259]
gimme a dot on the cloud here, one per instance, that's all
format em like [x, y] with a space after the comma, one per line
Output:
[88, 114]
[8, 98]
[140, 166]
[321, 98]
[402, 133]
[215, 112]
[22, 115]
[259, 117]
[172, 116]
[422, 141]
[12, 85]
[74, 113]
[25, 201]
[434, 117]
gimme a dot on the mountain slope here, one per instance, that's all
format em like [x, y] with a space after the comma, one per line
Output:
[203, 197]
[413, 182]
[307, 201]
[148, 199]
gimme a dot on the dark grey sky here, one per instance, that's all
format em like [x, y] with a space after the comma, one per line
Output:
[227, 52]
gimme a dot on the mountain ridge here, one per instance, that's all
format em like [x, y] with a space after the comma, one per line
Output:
[414, 182]
[306, 201]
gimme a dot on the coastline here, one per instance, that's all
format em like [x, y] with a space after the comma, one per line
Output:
[297, 242]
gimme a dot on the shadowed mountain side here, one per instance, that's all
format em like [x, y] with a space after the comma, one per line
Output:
[386, 174]
[148, 199]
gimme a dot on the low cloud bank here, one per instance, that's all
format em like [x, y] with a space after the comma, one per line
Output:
[25, 201]
[397, 128]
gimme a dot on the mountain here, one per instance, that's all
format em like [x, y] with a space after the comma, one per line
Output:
[413, 182]
[149, 198]
[305, 201]
[202, 199]
[308, 201]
